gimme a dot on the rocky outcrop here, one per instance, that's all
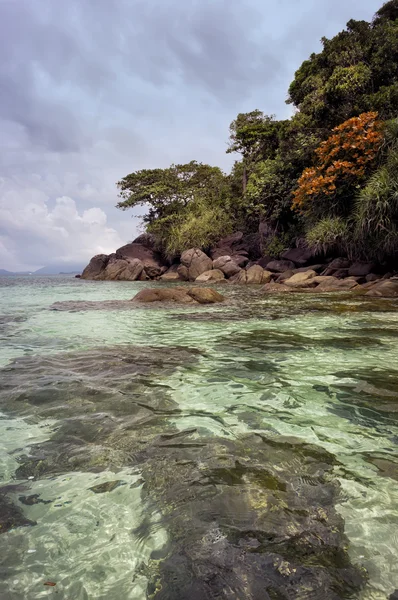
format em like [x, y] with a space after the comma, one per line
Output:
[137, 260]
[95, 267]
[150, 259]
[123, 269]
[181, 295]
[195, 262]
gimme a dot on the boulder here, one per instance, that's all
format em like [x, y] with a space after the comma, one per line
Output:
[151, 260]
[171, 274]
[123, 270]
[276, 288]
[213, 275]
[283, 276]
[263, 262]
[197, 262]
[240, 260]
[300, 256]
[280, 266]
[227, 246]
[226, 265]
[205, 295]
[240, 278]
[182, 272]
[179, 294]
[386, 288]
[339, 263]
[95, 267]
[301, 280]
[361, 269]
[332, 284]
[372, 277]
[176, 294]
[257, 275]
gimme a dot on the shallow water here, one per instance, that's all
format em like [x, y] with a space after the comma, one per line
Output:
[322, 370]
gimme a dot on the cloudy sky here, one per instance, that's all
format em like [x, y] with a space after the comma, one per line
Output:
[91, 90]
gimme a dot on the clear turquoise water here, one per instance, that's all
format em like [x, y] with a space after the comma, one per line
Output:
[310, 367]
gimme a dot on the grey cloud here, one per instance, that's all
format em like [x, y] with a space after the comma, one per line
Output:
[93, 89]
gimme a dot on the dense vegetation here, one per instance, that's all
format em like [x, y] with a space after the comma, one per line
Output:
[328, 175]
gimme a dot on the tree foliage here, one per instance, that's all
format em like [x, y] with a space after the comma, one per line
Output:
[343, 161]
[165, 192]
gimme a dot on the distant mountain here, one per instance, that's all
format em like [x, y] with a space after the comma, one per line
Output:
[3, 272]
[48, 270]
[60, 270]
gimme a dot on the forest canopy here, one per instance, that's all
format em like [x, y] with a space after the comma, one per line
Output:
[328, 175]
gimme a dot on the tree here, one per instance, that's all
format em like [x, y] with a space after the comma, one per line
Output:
[166, 191]
[356, 72]
[254, 136]
[344, 160]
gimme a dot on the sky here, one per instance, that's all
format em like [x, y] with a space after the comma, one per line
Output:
[91, 90]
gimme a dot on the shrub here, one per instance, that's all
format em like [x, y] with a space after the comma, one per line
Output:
[328, 235]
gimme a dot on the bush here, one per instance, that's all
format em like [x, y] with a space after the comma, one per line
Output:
[329, 235]
[376, 215]
[199, 226]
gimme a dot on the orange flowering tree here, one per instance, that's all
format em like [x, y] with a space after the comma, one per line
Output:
[343, 161]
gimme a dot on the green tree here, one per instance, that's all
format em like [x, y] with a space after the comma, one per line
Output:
[356, 72]
[165, 192]
[255, 136]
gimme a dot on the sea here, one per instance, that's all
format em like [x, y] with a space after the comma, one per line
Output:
[153, 451]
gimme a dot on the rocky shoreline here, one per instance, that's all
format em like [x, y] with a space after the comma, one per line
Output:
[235, 260]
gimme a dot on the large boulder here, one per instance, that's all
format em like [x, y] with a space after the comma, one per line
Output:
[361, 269]
[386, 288]
[95, 267]
[280, 266]
[254, 275]
[227, 246]
[213, 275]
[123, 270]
[332, 284]
[205, 295]
[300, 256]
[151, 260]
[257, 275]
[301, 280]
[226, 265]
[196, 263]
[175, 294]
[180, 295]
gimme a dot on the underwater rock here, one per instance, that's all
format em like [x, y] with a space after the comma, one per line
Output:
[180, 295]
[251, 518]
[11, 516]
[108, 486]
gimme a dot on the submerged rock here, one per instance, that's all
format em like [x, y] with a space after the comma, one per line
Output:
[250, 516]
[244, 522]
[11, 516]
[180, 295]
